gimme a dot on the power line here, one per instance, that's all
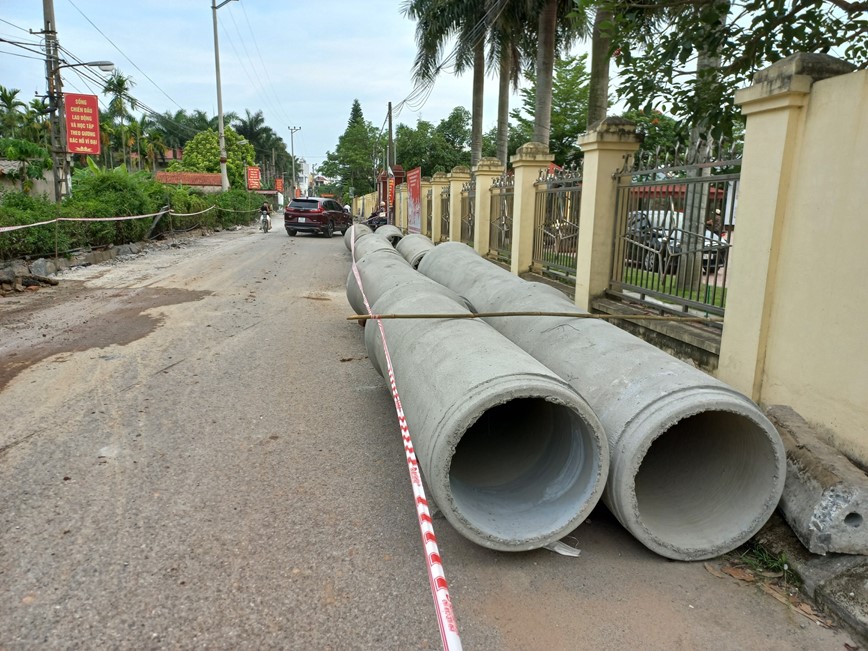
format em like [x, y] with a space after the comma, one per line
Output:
[14, 25]
[123, 54]
[23, 56]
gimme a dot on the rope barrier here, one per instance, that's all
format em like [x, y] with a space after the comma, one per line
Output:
[436, 575]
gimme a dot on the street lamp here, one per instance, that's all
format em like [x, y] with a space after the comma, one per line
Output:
[56, 119]
[224, 177]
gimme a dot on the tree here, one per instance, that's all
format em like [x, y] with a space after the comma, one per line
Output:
[353, 160]
[118, 87]
[10, 116]
[32, 160]
[557, 23]
[436, 22]
[202, 154]
[570, 107]
[433, 148]
[660, 44]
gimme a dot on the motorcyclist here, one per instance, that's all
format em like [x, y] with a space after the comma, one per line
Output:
[265, 208]
[377, 217]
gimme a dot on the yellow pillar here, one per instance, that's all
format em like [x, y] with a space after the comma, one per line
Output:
[486, 170]
[775, 107]
[527, 162]
[604, 150]
[457, 178]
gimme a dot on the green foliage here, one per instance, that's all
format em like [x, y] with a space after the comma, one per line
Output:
[353, 162]
[569, 108]
[434, 149]
[33, 160]
[202, 154]
[661, 45]
[661, 132]
[110, 193]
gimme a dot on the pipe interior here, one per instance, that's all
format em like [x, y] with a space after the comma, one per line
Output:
[523, 470]
[705, 480]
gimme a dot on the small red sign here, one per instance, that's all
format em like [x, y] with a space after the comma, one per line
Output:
[278, 184]
[82, 123]
[253, 178]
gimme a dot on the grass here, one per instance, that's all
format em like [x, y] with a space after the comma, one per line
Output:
[761, 561]
[667, 284]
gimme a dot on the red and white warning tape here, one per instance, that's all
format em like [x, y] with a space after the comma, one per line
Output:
[436, 575]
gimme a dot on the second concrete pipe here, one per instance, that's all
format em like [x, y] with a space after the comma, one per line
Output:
[696, 467]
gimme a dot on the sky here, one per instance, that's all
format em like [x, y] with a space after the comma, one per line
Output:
[301, 63]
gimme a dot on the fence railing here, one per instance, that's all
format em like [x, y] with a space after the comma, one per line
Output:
[556, 223]
[674, 232]
[444, 213]
[500, 229]
[468, 218]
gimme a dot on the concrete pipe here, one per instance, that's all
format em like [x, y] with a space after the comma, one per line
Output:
[413, 248]
[383, 270]
[355, 231]
[369, 243]
[696, 467]
[391, 233]
[512, 456]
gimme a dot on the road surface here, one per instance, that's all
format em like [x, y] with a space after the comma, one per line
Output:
[195, 453]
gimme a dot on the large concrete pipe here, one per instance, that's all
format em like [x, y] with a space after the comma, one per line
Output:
[383, 269]
[413, 248]
[696, 467]
[512, 456]
[391, 233]
[355, 231]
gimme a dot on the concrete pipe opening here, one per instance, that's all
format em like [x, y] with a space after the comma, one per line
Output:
[703, 487]
[522, 471]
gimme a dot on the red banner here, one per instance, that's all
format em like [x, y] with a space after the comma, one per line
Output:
[414, 187]
[82, 123]
[278, 184]
[253, 178]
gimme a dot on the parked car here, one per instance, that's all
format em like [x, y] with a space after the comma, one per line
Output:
[318, 215]
[653, 240]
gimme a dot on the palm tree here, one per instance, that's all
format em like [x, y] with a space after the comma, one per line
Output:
[436, 22]
[118, 86]
[557, 25]
[10, 116]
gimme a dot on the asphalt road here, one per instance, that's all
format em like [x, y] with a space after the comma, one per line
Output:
[196, 453]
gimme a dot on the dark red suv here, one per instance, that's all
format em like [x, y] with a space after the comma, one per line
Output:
[316, 215]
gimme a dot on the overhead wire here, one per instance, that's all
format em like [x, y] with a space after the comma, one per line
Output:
[123, 54]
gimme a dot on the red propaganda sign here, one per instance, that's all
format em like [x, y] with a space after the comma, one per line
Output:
[414, 186]
[278, 184]
[253, 179]
[82, 123]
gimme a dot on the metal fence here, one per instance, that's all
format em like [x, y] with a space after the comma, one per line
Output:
[500, 233]
[674, 227]
[468, 207]
[444, 213]
[556, 223]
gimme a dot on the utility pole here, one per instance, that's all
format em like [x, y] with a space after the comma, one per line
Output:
[55, 102]
[224, 177]
[292, 131]
[390, 157]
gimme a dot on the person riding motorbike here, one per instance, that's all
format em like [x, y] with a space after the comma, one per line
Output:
[377, 217]
[265, 217]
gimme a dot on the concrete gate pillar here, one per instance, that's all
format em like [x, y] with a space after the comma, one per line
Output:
[604, 148]
[486, 170]
[457, 178]
[438, 182]
[530, 158]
